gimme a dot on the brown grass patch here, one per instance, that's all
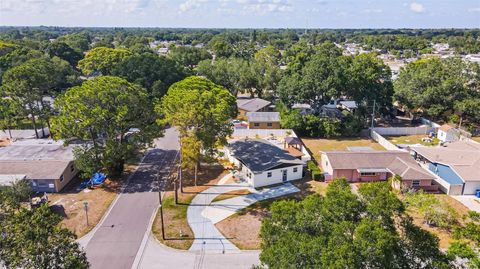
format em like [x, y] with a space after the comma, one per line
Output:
[70, 206]
[315, 145]
[230, 194]
[69, 202]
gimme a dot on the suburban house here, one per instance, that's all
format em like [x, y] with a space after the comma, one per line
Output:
[262, 163]
[263, 120]
[367, 166]
[304, 109]
[47, 164]
[457, 165]
[447, 133]
[245, 105]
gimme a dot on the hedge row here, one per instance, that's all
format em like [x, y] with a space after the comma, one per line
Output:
[315, 171]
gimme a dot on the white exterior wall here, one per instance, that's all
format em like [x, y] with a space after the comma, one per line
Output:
[446, 136]
[326, 166]
[470, 187]
[260, 180]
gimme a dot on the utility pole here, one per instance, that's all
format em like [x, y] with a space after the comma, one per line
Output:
[161, 213]
[373, 113]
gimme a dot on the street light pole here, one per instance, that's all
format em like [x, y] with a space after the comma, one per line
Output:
[161, 213]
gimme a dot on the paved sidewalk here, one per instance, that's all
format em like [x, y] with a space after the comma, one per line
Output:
[221, 210]
[202, 216]
[157, 255]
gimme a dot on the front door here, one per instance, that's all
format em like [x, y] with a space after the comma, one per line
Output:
[284, 176]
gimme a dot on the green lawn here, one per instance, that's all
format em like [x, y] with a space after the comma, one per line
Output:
[411, 139]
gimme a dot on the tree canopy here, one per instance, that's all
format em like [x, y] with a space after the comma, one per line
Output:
[200, 110]
[436, 87]
[343, 230]
[102, 60]
[115, 115]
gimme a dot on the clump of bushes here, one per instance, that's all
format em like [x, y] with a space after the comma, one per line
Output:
[315, 171]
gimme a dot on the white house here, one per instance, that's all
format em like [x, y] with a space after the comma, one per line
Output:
[263, 163]
[447, 133]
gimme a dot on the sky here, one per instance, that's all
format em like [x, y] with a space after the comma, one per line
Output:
[243, 13]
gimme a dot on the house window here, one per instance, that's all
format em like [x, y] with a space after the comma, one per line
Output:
[72, 168]
[256, 124]
[269, 174]
[326, 163]
[368, 174]
[416, 183]
[295, 169]
[269, 124]
[61, 178]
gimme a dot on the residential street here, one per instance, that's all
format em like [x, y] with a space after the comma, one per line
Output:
[117, 240]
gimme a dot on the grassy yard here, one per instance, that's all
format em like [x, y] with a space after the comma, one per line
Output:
[178, 233]
[243, 228]
[411, 139]
[315, 145]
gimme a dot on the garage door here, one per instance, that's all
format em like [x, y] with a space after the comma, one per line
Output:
[471, 187]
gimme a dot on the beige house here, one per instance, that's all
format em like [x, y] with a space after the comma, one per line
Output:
[47, 164]
[245, 105]
[263, 120]
[368, 166]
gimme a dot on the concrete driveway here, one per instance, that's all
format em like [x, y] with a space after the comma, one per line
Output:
[116, 240]
[470, 201]
[202, 215]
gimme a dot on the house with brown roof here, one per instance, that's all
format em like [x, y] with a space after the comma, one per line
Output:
[245, 105]
[456, 164]
[368, 166]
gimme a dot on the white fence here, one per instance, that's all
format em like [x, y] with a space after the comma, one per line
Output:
[382, 141]
[404, 130]
[262, 133]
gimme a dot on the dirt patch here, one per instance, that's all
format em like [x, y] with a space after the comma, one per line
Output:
[4, 142]
[230, 194]
[70, 205]
[242, 230]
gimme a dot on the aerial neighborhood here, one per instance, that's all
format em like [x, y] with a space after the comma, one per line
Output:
[240, 147]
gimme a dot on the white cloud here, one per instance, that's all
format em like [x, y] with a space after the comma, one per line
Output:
[416, 7]
[190, 5]
[474, 9]
[71, 6]
[261, 7]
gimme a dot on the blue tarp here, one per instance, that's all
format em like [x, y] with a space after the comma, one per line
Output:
[446, 173]
[97, 179]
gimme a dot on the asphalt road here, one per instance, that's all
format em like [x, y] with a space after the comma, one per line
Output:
[116, 242]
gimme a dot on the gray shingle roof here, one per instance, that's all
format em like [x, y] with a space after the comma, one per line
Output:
[263, 116]
[260, 155]
[252, 105]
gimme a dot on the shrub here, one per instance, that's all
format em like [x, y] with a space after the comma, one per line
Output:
[315, 171]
